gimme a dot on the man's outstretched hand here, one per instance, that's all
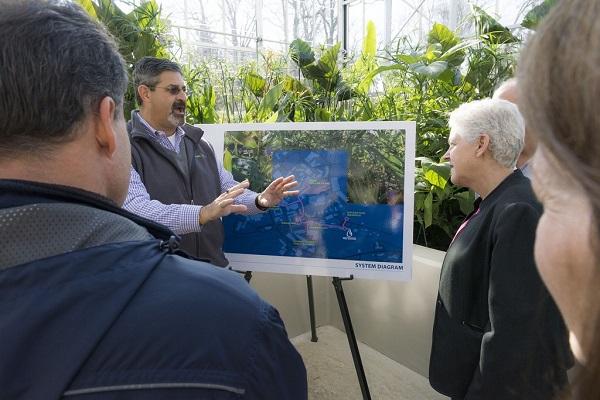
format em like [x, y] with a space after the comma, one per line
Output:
[277, 190]
[223, 205]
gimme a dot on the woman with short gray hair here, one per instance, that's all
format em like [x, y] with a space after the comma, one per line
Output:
[500, 119]
[497, 333]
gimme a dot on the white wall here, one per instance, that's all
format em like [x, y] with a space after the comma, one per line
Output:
[288, 293]
[394, 318]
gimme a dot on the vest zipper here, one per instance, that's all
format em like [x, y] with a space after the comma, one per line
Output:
[191, 183]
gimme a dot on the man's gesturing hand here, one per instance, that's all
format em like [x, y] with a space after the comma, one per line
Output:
[277, 190]
[223, 205]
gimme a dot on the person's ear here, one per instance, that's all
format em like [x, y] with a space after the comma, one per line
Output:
[144, 93]
[106, 136]
[483, 144]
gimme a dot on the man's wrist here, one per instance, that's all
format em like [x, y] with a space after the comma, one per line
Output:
[200, 217]
[258, 205]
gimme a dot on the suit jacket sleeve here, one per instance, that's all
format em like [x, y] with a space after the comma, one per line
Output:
[506, 366]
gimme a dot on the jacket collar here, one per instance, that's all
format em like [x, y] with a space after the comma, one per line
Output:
[14, 193]
[514, 178]
[137, 128]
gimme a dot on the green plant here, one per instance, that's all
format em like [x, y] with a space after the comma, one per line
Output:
[413, 82]
[421, 83]
[424, 83]
[202, 104]
[537, 13]
[138, 33]
[439, 205]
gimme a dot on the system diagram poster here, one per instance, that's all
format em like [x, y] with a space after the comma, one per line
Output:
[354, 213]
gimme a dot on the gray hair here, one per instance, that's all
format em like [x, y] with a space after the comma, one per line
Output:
[499, 119]
[57, 65]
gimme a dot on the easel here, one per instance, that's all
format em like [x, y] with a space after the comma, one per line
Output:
[311, 309]
[360, 372]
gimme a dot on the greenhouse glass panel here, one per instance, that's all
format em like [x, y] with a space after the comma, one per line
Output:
[238, 30]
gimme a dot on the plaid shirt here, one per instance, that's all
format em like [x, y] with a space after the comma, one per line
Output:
[180, 218]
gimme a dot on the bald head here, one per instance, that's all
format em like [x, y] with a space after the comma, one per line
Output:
[509, 91]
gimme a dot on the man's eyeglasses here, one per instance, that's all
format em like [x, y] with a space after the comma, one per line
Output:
[174, 90]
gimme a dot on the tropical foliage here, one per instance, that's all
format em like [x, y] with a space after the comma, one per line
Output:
[139, 33]
[413, 82]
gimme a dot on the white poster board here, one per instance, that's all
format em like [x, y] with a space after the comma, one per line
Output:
[354, 214]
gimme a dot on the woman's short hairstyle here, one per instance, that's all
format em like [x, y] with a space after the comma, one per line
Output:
[499, 119]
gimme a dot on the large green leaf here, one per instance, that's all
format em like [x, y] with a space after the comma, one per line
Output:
[343, 91]
[147, 14]
[370, 42]
[406, 58]
[437, 174]
[329, 59]
[322, 114]
[313, 72]
[291, 84]
[536, 14]
[267, 104]
[272, 118]
[443, 169]
[301, 53]
[456, 54]
[365, 63]
[443, 35]
[227, 160]
[89, 7]
[367, 81]
[435, 179]
[488, 28]
[465, 201]
[255, 83]
[430, 70]
[428, 210]
[433, 52]
[325, 71]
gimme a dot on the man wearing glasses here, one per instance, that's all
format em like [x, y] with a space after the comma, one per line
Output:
[175, 178]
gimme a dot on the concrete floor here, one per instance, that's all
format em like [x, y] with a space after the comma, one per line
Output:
[331, 373]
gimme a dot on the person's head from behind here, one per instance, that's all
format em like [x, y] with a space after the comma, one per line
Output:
[486, 137]
[509, 91]
[560, 89]
[160, 93]
[62, 82]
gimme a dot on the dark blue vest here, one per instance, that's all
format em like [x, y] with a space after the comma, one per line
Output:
[165, 180]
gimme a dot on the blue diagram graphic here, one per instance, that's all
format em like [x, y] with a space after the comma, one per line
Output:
[320, 222]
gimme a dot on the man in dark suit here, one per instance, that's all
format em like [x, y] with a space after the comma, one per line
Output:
[497, 333]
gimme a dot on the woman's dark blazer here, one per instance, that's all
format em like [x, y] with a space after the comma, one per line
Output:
[497, 333]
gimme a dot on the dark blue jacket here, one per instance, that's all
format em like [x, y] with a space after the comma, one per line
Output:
[131, 320]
